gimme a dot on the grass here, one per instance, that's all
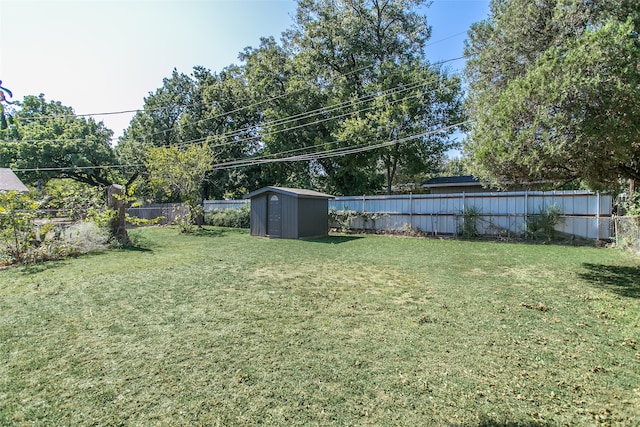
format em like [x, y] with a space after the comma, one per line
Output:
[224, 329]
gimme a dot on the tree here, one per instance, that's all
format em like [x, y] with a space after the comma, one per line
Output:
[350, 75]
[202, 107]
[180, 172]
[349, 78]
[160, 123]
[5, 118]
[50, 141]
[554, 92]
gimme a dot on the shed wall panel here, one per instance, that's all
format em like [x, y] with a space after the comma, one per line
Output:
[289, 217]
[312, 218]
[259, 215]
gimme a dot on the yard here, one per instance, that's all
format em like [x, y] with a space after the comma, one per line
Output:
[224, 329]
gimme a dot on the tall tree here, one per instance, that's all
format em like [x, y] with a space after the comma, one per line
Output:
[554, 92]
[201, 107]
[160, 122]
[351, 74]
[51, 142]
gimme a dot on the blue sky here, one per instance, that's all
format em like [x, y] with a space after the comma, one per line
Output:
[107, 55]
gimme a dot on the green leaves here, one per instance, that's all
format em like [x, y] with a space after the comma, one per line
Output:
[353, 74]
[348, 74]
[564, 107]
[5, 118]
[180, 173]
[51, 142]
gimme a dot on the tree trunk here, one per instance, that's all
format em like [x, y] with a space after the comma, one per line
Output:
[117, 224]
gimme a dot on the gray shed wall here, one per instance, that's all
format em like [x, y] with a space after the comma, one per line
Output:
[313, 217]
[299, 217]
[289, 205]
[259, 215]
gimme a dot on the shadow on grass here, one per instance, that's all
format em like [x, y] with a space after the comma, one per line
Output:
[488, 422]
[40, 267]
[334, 240]
[207, 232]
[136, 249]
[622, 280]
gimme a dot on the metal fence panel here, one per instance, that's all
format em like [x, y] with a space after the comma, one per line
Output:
[584, 214]
[211, 205]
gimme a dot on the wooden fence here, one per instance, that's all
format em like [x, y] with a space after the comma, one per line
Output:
[583, 213]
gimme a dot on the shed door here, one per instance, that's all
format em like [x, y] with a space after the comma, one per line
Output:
[274, 213]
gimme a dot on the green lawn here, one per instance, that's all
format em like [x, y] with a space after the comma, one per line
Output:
[225, 329]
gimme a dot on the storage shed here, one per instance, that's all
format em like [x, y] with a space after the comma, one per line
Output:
[289, 213]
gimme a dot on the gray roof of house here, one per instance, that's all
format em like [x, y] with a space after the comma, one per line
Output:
[10, 182]
[295, 192]
[452, 181]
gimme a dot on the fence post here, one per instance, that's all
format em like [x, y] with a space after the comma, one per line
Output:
[526, 212]
[411, 209]
[598, 215]
[464, 208]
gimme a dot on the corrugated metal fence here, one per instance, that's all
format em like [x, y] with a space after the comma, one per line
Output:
[583, 213]
[211, 205]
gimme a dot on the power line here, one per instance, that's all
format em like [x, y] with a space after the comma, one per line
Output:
[316, 155]
[297, 117]
[336, 152]
[313, 113]
[43, 117]
[269, 157]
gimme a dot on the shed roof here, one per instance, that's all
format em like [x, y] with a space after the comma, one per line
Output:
[10, 182]
[452, 181]
[295, 192]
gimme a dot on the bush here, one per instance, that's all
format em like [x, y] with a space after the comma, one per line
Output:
[26, 236]
[85, 237]
[543, 225]
[235, 218]
[18, 234]
[344, 219]
[469, 227]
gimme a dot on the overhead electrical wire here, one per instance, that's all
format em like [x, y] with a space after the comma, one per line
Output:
[41, 117]
[278, 97]
[365, 147]
[279, 122]
[298, 118]
[336, 152]
[251, 161]
[288, 119]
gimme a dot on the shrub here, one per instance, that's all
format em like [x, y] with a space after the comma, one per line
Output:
[235, 218]
[543, 225]
[343, 219]
[26, 236]
[469, 227]
[85, 237]
[18, 234]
